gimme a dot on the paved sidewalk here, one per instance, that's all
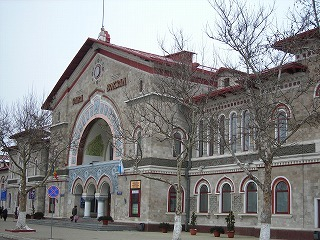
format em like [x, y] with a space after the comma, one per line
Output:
[59, 233]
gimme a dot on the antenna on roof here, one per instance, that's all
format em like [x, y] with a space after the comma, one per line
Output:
[103, 35]
[102, 13]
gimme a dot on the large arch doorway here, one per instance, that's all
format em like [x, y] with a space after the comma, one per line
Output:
[96, 143]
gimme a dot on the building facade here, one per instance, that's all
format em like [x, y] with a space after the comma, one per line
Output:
[90, 103]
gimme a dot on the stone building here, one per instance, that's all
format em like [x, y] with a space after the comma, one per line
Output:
[91, 100]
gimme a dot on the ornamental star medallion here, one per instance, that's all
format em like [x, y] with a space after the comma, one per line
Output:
[97, 70]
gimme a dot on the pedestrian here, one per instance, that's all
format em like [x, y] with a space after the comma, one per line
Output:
[16, 213]
[1, 209]
[5, 214]
[74, 214]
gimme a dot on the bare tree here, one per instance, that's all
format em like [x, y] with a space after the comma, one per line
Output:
[25, 137]
[167, 114]
[305, 14]
[248, 33]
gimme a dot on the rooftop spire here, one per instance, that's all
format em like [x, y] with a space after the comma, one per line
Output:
[103, 35]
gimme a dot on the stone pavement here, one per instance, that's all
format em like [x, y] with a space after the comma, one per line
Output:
[45, 232]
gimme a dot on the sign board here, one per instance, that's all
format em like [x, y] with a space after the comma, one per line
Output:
[53, 191]
[135, 184]
[32, 194]
[3, 194]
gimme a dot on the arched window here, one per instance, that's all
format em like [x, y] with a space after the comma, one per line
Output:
[233, 132]
[281, 126]
[245, 131]
[177, 144]
[251, 198]
[200, 135]
[172, 199]
[226, 198]
[203, 199]
[211, 137]
[281, 198]
[222, 134]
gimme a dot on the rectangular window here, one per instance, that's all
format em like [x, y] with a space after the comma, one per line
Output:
[204, 203]
[252, 202]
[282, 202]
[200, 134]
[226, 203]
[52, 205]
[135, 195]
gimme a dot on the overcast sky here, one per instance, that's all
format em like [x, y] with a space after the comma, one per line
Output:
[39, 38]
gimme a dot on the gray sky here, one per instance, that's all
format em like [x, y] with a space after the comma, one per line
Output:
[39, 38]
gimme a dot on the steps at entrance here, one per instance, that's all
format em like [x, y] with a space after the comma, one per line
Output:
[87, 224]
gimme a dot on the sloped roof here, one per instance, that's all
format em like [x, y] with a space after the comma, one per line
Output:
[290, 68]
[87, 46]
[291, 43]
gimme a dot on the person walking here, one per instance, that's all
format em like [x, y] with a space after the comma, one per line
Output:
[74, 214]
[5, 214]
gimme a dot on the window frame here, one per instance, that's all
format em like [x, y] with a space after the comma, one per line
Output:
[200, 138]
[233, 131]
[203, 195]
[177, 141]
[222, 134]
[245, 130]
[275, 196]
[211, 136]
[281, 126]
[170, 196]
[136, 200]
[247, 196]
[223, 194]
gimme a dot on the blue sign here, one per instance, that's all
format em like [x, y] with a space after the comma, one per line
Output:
[53, 191]
[3, 194]
[32, 194]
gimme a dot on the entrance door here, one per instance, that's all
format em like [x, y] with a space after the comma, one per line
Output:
[109, 203]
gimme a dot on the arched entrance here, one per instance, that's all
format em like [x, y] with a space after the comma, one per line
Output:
[96, 143]
[98, 114]
[95, 155]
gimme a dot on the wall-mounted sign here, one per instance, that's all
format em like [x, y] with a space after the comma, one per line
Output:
[135, 184]
[116, 84]
[77, 100]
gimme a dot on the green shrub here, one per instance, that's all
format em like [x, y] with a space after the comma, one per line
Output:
[38, 215]
[218, 229]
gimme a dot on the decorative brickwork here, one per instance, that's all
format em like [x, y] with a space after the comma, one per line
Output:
[237, 203]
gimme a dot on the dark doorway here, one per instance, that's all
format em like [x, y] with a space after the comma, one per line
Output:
[318, 213]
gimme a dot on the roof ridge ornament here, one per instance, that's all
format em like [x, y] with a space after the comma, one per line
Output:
[104, 35]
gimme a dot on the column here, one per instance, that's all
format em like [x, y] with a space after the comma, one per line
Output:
[87, 204]
[101, 204]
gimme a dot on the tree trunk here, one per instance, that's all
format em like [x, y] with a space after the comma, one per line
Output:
[21, 223]
[266, 208]
[177, 227]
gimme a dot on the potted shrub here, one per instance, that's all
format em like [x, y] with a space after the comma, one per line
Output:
[193, 222]
[230, 224]
[105, 219]
[217, 230]
[164, 227]
[38, 215]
